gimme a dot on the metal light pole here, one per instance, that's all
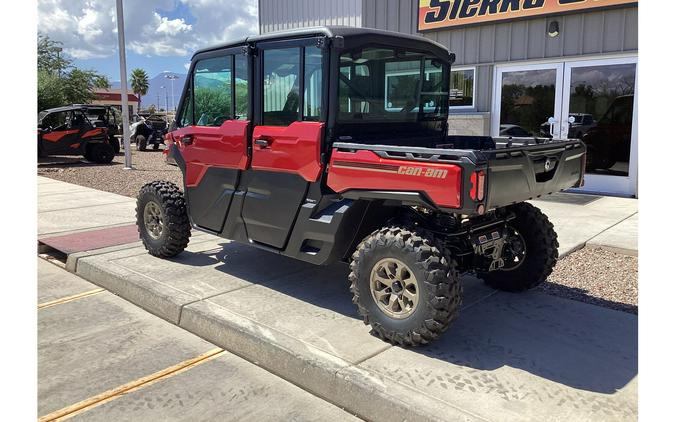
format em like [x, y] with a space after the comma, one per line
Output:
[173, 99]
[124, 94]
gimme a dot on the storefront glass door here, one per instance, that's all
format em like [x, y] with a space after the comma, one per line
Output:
[589, 100]
[599, 108]
[526, 98]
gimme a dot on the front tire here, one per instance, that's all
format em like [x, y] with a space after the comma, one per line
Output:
[162, 219]
[141, 143]
[539, 242]
[403, 286]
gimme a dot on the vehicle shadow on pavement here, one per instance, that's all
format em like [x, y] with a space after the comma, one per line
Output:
[576, 344]
[60, 162]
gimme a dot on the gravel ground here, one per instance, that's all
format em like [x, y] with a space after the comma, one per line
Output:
[596, 276]
[591, 275]
[148, 166]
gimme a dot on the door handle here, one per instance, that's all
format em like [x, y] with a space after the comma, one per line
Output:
[187, 140]
[262, 142]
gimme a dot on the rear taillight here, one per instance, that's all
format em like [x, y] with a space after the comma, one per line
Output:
[477, 192]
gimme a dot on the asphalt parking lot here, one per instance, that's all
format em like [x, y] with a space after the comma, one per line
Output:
[101, 358]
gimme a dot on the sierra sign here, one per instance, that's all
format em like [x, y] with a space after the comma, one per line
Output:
[434, 14]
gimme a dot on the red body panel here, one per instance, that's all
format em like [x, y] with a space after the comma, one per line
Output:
[93, 132]
[364, 169]
[292, 149]
[222, 146]
[57, 136]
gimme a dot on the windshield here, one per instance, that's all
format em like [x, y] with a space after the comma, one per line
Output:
[383, 84]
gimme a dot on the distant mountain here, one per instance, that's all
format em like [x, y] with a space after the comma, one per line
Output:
[155, 89]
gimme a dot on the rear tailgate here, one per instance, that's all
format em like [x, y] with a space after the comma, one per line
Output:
[518, 173]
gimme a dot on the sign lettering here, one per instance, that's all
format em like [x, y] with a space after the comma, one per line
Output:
[434, 14]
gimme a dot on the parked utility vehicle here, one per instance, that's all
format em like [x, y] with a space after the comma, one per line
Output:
[330, 144]
[68, 131]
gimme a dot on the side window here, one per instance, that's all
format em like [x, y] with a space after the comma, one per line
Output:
[241, 87]
[213, 91]
[186, 116]
[54, 121]
[281, 92]
[313, 75]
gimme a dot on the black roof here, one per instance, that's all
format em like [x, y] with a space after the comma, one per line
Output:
[346, 32]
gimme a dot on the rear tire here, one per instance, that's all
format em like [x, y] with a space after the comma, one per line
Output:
[162, 219]
[414, 255]
[155, 146]
[115, 143]
[541, 251]
[100, 153]
[141, 143]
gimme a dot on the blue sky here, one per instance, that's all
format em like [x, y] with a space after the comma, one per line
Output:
[161, 34]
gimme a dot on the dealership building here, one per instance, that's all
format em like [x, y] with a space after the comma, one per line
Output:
[566, 68]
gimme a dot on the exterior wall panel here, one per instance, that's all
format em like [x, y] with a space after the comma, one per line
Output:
[276, 15]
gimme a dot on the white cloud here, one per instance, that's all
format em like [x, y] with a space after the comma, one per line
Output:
[88, 28]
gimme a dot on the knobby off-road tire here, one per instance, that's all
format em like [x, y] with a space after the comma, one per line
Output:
[100, 153]
[437, 284]
[541, 251]
[162, 204]
[141, 143]
[115, 143]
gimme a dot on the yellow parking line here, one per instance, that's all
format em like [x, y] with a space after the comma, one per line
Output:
[110, 395]
[69, 298]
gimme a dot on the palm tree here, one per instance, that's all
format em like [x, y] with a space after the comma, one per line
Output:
[139, 83]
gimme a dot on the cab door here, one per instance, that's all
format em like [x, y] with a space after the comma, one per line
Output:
[289, 127]
[61, 132]
[213, 137]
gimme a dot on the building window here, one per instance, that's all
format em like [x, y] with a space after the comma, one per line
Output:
[462, 88]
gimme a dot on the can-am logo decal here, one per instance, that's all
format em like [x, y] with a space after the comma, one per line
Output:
[423, 172]
[434, 173]
[434, 14]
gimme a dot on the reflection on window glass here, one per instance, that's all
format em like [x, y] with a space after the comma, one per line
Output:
[528, 100]
[391, 85]
[213, 91]
[601, 103]
[313, 75]
[186, 112]
[281, 89]
[240, 87]
[461, 88]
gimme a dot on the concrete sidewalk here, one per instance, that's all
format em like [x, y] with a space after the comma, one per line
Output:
[508, 357]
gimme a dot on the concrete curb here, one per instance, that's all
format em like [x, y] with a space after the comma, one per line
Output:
[357, 390]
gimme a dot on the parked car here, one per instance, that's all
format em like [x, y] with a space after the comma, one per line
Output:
[68, 131]
[333, 175]
[514, 131]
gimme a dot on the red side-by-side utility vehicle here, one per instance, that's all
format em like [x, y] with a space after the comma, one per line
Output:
[331, 144]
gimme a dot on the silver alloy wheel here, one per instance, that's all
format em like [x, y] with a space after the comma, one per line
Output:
[394, 288]
[153, 219]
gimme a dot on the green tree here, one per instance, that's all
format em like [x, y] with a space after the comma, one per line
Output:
[50, 90]
[50, 56]
[59, 82]
[139, 83]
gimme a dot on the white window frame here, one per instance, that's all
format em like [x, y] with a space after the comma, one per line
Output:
[473, 94]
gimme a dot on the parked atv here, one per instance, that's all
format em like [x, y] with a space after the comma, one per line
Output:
[338, 150]
[144, 131]
[68, 131]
